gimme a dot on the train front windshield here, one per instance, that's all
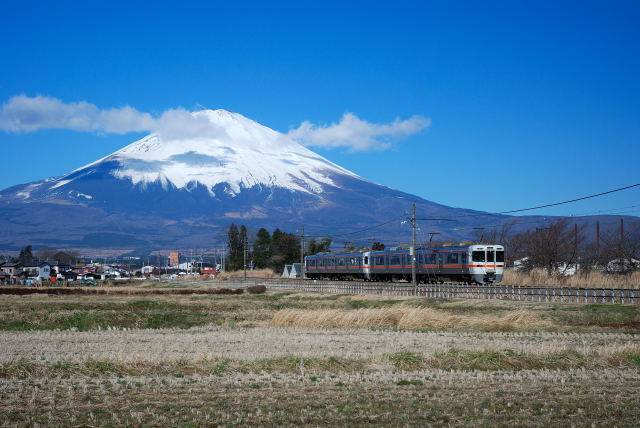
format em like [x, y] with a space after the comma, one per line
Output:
[488, 256]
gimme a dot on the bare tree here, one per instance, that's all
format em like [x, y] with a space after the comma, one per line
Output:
[554, 248]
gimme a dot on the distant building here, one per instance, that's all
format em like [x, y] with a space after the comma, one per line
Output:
[39, 271]
[13, 269]
[174, 258]
[147, 270]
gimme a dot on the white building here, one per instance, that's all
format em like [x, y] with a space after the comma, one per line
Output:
[38, 271]
[292, 271]
[146, 270]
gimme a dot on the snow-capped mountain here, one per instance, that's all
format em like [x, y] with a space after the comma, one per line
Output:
[235, 152]
[179, 188]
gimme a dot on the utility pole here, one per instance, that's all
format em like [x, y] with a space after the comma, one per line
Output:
[412, 252]
[575, 244]
[413, 219]
[621, 240]
[302, 267]
[245, 257]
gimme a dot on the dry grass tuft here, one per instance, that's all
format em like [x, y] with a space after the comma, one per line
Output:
[239, 274]
[405, 318]
[540, 277]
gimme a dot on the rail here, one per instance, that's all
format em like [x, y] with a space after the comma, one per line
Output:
[449, 291]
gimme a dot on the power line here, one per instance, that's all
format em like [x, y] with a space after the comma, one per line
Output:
[356, 231]
[555, 203]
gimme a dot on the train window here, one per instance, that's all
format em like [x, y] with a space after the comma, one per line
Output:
[379, 260]
[420, 259]
[340, 262]
[500, 256]
[312, 263]
[430, 258]
[490, 256]
[478, 256]
[366, 260]
[395, 260]
[452, 258]
[463, 258]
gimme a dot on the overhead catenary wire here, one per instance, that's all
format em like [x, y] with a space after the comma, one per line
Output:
[376, 226]
[554, 204]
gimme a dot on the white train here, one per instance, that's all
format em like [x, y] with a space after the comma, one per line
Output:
[472, 264]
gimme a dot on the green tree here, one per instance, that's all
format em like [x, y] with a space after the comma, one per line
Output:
[285, 249]
[26, 255]
[377, 246]
[324, 245]
[262, 248]
[233, 243]
[315, 247]
[312, 247]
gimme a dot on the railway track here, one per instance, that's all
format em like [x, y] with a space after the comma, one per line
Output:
[463, 291]
[454, 290]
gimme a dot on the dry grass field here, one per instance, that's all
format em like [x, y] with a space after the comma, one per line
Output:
[540, 277]
[293, 358]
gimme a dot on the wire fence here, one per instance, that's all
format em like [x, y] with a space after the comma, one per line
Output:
[450, 291]
[441, 291]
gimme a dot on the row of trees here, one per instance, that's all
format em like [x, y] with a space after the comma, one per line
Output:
[562, 245]
[49, 255]
[267, 250]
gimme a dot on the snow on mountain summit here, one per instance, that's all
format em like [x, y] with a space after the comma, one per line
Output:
[218, 146]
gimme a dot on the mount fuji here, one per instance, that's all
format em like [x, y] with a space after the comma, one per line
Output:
[175, 190]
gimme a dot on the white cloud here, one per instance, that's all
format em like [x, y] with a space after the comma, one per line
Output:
[357, 134]
[180, 124]
[27, 114]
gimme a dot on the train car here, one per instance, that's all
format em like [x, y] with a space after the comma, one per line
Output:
[472, 264]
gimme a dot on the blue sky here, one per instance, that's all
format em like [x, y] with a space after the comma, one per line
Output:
[529, 102]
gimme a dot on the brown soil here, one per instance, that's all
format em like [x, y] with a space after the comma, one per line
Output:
[21, 291]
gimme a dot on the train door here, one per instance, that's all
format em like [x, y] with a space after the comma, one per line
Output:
[366, 263]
